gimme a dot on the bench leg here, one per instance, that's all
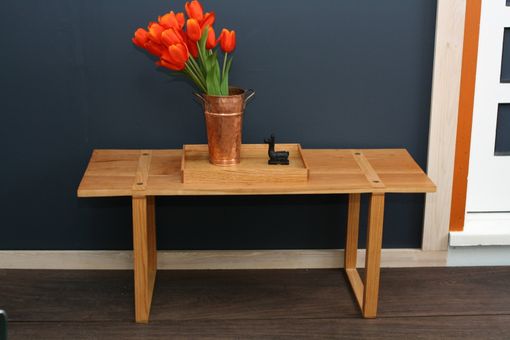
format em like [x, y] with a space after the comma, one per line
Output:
[351, 239]
[144, 255]
[367, 291]
[351, 247]
[373, 255]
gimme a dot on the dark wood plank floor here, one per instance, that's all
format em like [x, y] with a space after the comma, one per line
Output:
[414, 303]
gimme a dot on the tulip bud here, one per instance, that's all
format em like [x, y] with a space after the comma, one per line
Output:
[155, 31]
[172, 20]
[141, 37]
[227, 40]
[175, 57]
[208, 20]
[211, 39]
[171, 36]
[180, 19]
[194, 10]
[193, 30]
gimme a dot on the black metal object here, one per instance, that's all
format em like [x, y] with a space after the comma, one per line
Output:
[276, 157]
[3, 325]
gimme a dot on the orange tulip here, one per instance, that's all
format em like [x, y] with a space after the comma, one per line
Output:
[172, 20]
[193, 30]
[171, 36]
[141, 37]
[194, 10]
[154, 48]
[227, 40]
[175, 57]
[208, 20]
[192, 47]
[155, 31]
[211, 39]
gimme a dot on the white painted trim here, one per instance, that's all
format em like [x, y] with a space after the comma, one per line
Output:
[479, 256]
[483, 229]
[488, 184]
[443, 121]
[214, 259]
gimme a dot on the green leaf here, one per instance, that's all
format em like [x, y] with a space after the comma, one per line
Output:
[203, 39]
[211, 67]
[229, 63]
[224, 80]
[212, 84]
[202, 51]
[216, 71]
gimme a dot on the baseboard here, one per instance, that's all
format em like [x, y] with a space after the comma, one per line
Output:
[214, 259]
[479, 256]
[483, 229]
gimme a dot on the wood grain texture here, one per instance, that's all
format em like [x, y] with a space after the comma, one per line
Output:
[144, 250]
[151, 238]
[142, 171]
[330, 171]
[356, 285]
[465, 118]
[468, 303]
[373, 256]
[54, 295]
[439, 327]
[352, 231]
[443, 120]
[369, 172]
[253, 168]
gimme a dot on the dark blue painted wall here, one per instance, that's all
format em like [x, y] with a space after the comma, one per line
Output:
[328, 74]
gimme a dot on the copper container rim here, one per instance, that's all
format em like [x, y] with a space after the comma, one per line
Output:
[241, 92]
[223, 114]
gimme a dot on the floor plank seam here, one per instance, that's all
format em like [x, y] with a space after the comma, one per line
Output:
[354, 317]
[440, 315]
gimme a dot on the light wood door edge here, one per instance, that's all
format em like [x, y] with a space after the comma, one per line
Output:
[443, 121]
[213, 259]
[465, 119]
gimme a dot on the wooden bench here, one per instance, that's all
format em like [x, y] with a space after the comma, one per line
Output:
[144, 174]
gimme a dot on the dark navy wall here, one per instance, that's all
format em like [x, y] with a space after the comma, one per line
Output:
[328, 74]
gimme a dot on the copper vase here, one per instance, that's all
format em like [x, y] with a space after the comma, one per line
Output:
[224, 122]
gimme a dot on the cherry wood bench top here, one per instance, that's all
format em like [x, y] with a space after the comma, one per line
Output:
[331, 171]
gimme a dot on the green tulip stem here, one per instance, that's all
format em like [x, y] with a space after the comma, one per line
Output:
[224, 66]
[197, 69]
[188, 70]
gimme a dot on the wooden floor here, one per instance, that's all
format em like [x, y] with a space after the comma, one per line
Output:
[468, 303]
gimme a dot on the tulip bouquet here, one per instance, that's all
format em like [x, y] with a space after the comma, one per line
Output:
[188, 45]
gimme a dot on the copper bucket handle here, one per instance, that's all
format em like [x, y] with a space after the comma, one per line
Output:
[249, 94]
[199, 96]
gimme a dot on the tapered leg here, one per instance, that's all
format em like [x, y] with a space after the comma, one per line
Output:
[351, 238]
[151, 231]
[144, 254]
[373, 255]
[351, 248]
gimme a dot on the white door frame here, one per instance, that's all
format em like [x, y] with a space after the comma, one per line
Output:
[487, 185]
[487, 219]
